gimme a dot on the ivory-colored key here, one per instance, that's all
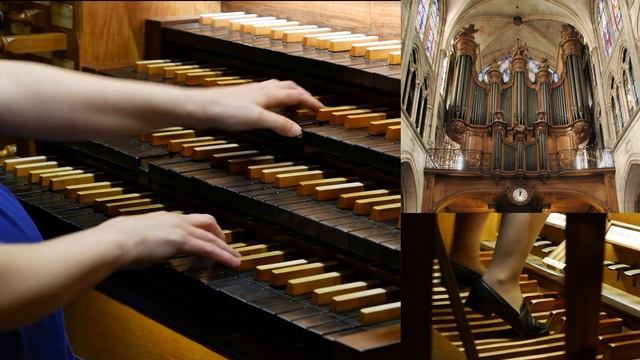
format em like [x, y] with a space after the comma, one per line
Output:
[323, 296]
[330, 192]
[280, 277]
[163, 138]
[71, 191]
[239, 245]
[87, 197]
[254, 171]
[34, 175]
[380, 52]
[312, 40]
[364, 206]
[297, 35]
[394, 58]
[10, 164]
[393, 132]
[263, 272]
[361, 48]
[141, 66]
[24, 169]
[187, 149]
[236, 24]
[143, 209]
[325, 113]
[59, 183]
[180, 76]
[241, 164]
[99, 202]
[338, 118]
[214, 81]
[277, 32]
[307, 284]
[197, 78]
[248, 28]
[221, 158]
[205, 152]
[232, 235]
[111, 209]
[386, 212]
[347, 201]
[269, 175]
[207, 19]
[145, 137]
[360, 121]
[252, 249]
[44, 179]
[233, 82]
[155, 69]
[345, 44]
[251, 261]
[265, 29]
[324, 44]
[379, 127]
[292, 179]
[364, 298]
[176, 144]
[170, 72]
[307, 187]
[224, 21]
[380, 313]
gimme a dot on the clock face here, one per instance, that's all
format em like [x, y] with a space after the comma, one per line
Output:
[520, 195]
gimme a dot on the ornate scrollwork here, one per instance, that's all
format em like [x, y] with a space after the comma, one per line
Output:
[456, 130]
[465, 41]
[581, 131]
[570, 41]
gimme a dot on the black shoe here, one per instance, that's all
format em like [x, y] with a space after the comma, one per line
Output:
[464, 276]
[486, 301]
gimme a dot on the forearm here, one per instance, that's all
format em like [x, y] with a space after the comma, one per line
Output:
[50, 103]
[38, 278]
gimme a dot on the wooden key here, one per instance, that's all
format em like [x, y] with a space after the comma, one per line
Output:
[622, 350]
[224, 21]
[180, 76]
[298, 35]
[24, 169]
[306, 284]
[386, 212]
[604, 340]
[394, 58]
[364, 298]
[379, 313]
[347, 201]
[323, 296]
[254, 171]
[236, 24]
[393, 132]
[33, 43]
[44, 179]
[331, 192]
[345, 44]
[87, 197]
[379, 127]
[325, 43]
[252, 249]
[163, 138]
[222, 158]
[359, 121]
[280, 277]
[187, 149]
[99, 202]
[307, 187]
[249, 262]
[207, 19]
[263, 272]
[380, 52]
[155, 69]
[338, 118]
[10, 164]
[71, 191]
[176, 144]
[364, 206]
[232, 235]
[141, 66]
[59, 183]
[239, 245]
[233, 82]
[205, 152]
[111, 209]
[143, 209]
[265, 28]
[292, 179]
[34, 175]
[146, 137]
[277, 32]
[215, 81]
[170, 71]
[268, 175]
[312, 40]
[324, 114]
[361, 48]
[197, 78]
[241, 164]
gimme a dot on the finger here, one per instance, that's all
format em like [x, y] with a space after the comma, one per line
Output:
[207, 236]
[288, 93]
[207, 222]
[207, 250]
[279, 124]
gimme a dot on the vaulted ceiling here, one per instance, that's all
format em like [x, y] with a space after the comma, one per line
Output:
[542, 22]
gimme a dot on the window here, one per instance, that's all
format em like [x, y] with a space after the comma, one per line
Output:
[445, 64]
[433, 28]
[630, 85]
[605, 30]
[504, 65]
[616, 15]
[421, 18]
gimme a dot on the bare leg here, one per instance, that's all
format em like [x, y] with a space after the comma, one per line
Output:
[466, 240]
[516, 237]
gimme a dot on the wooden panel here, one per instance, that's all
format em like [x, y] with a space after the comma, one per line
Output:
[380, 18]
[102, 328]
[112, 32]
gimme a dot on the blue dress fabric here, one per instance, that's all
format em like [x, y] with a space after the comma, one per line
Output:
[46, 338]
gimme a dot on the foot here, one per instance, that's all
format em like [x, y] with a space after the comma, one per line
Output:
[508, 290]
[486, 301]
[464, 275]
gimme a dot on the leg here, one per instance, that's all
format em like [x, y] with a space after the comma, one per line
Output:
[466, 240]
[517, 234]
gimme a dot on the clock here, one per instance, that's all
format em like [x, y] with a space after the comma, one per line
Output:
[520, 195]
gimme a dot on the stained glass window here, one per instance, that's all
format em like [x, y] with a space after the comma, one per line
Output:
[421, 18]
[605, 29]
[616, 15]
[445, 65]
[504, 65]
[433, 26]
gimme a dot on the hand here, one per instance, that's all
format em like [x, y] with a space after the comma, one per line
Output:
[154, 237]
[247, 107]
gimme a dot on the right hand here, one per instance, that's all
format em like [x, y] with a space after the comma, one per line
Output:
[154, 237]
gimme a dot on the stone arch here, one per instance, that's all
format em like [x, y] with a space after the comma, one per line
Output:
[410, 191]
[631, 185]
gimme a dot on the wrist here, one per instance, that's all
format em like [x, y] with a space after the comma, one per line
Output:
[116, 246]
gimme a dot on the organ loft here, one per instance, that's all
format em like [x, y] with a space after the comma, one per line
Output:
[521, 134]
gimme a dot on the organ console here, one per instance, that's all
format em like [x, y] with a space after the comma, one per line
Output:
[316, 219]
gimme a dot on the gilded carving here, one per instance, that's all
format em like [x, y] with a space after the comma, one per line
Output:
[465, 42]
[570, 41]
[456, 130]
[581, 131]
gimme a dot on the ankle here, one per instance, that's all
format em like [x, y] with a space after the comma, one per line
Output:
[472, 264]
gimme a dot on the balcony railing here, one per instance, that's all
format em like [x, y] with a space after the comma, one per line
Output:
[584, 159]
[454, 159]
